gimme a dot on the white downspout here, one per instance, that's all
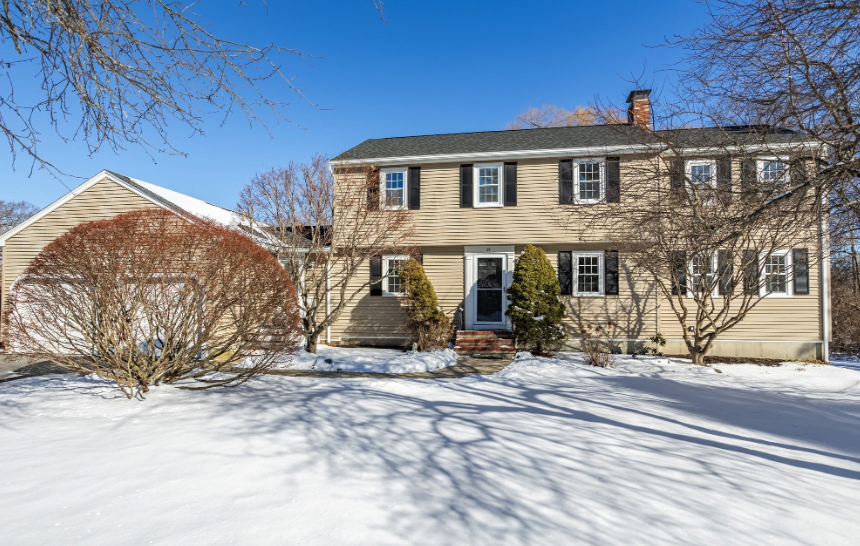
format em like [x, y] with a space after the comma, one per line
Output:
[825, 281]
[328, 299]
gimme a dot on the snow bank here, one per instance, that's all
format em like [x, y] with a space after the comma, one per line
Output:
[333, 359]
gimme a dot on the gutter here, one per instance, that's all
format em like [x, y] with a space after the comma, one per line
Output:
[582, 151]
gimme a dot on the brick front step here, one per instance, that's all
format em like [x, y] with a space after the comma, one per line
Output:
[471, 341]
[484, 348]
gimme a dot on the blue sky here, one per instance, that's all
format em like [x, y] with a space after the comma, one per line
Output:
[434, 67]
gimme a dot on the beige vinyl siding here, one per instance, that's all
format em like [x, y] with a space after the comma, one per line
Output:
[535, 218]
[794, 318]
[366, 319]
[443, 228]
[634, 309]
[104, 199]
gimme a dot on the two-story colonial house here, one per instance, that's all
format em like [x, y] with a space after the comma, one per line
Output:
[476, 200]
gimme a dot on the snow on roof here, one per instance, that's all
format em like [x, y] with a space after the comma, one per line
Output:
[189, 204]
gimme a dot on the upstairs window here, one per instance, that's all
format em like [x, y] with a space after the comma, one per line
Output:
[393, 189]
[773, 174]
[488, 185]
[702, 175]
[589, 184]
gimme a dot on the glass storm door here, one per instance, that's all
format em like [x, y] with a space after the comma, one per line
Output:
[490, 292]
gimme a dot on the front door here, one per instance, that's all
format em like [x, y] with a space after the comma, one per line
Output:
[488, 275]
[490, 294]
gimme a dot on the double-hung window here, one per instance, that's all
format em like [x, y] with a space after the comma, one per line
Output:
[701, 270]
[588, 273]
[776, 268]
[393, 283]
[394, 189]
[589, 181]
[702, 178]
[773, 174]
[488, 185]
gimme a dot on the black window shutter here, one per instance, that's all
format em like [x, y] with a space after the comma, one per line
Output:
[749, 175]
[613, 180]
[414, 188]
[679, 266]
[510, 184]
[373, 185]
[565, 182]
[610, 273]
[565, 272]
[797, 170]
[376, 276]
[800, 263]
[751, 272]
[676, 175]
[724, 179]
[725, 270]
[466, 185]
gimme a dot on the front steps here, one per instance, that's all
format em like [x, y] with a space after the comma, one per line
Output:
[485, 344]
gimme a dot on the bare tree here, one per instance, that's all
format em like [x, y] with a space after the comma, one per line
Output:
[326, 234]
[793, 64]
[122, 71]
[13, 213]
[551, 115]
[148, 297]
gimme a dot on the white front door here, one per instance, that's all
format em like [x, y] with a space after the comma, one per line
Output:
[488, 276]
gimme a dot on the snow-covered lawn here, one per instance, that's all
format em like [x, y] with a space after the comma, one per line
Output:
[547, 452]
[344, 359]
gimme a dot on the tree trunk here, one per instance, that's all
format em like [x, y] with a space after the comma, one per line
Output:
[697, 356]
[312, 342]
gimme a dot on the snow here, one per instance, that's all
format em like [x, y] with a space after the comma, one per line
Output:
[344, 359]
[194, 206]
[548, 451]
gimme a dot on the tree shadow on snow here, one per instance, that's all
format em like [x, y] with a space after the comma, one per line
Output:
[508, 462]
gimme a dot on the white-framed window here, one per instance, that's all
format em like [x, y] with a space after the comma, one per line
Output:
[701, 269]
[776, 278]
[701, 177]
[488, 185]
[394, 188]
[773, 173]
[392, 284]
[588, 273]
[589, 180]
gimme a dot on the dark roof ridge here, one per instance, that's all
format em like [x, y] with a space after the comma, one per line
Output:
[505, 131]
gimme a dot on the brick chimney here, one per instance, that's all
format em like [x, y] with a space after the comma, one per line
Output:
[639, 111]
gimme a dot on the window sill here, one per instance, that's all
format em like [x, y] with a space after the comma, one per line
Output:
[487, 206]
[390, 295]
[589, 295]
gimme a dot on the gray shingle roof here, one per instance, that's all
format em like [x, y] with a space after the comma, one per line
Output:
[556, 138]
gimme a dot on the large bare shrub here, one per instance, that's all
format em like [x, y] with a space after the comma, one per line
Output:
[149, 297]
